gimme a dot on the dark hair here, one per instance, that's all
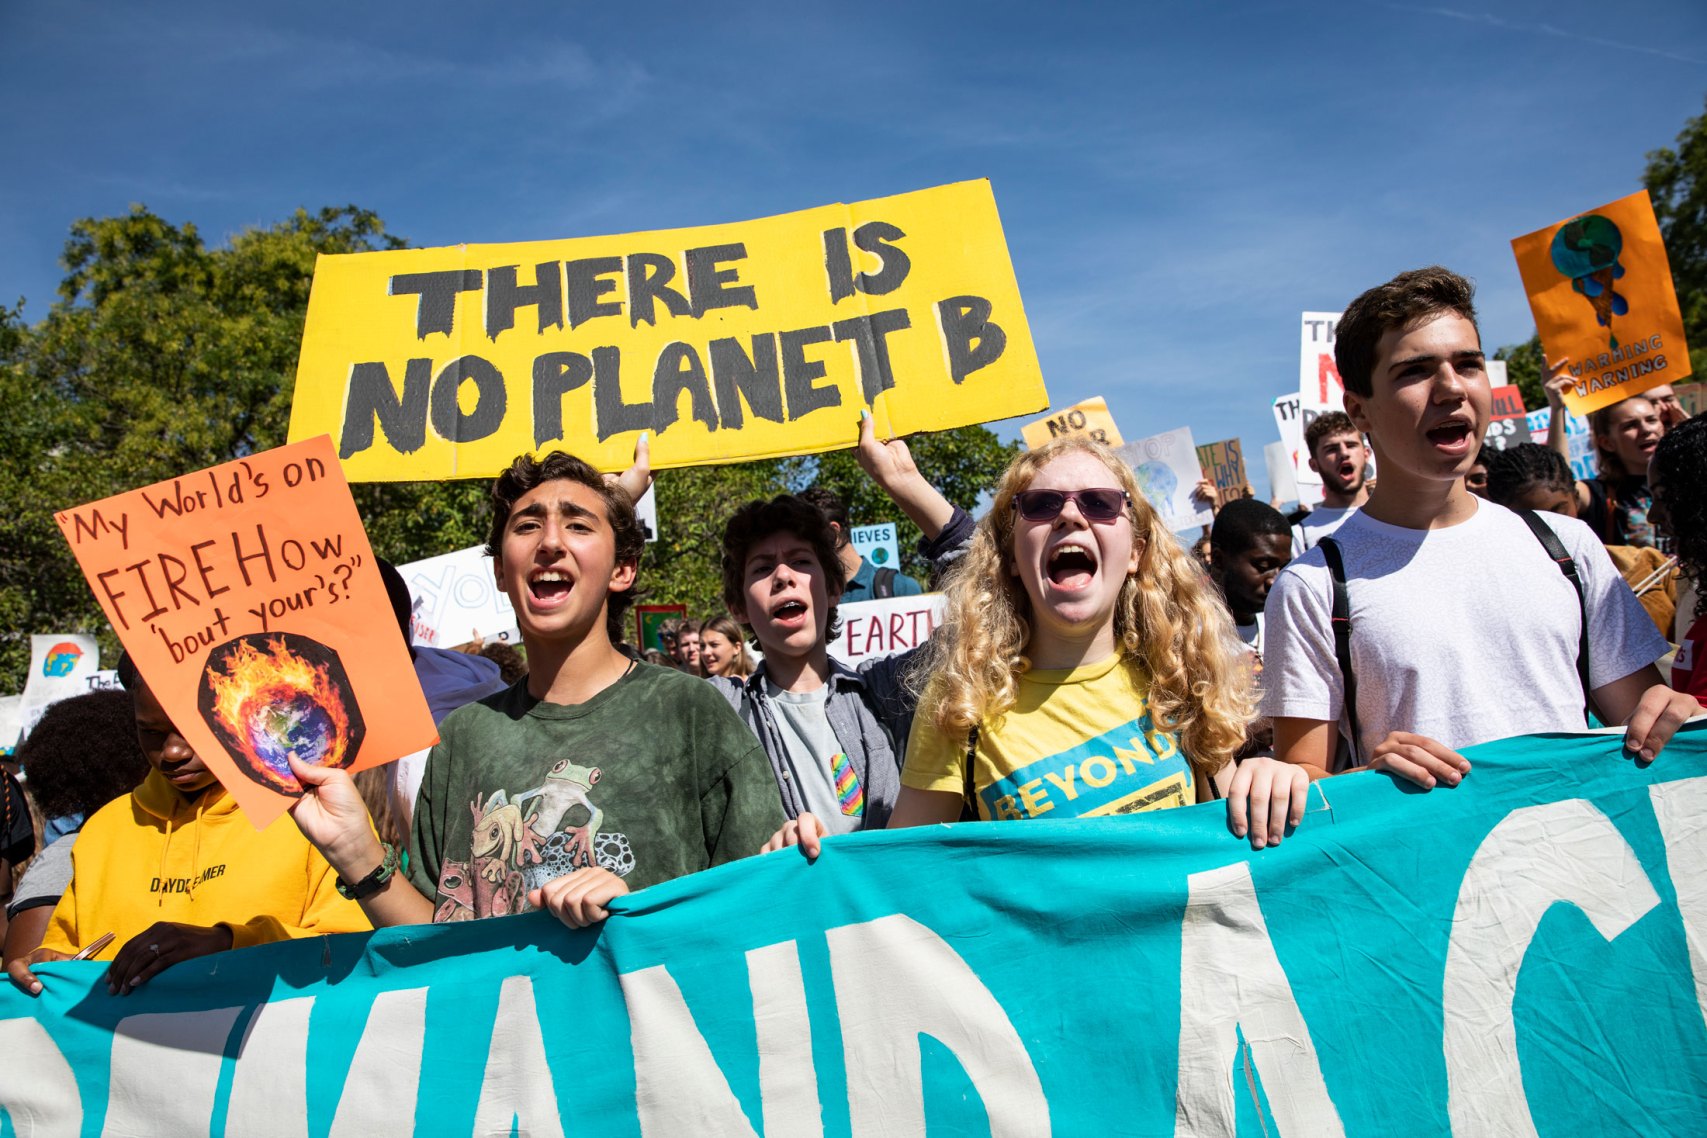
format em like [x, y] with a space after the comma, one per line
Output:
[402, 604]
[1681, 462]
[1514, 470]
[527, 473]
[1242, 521]
[512, 665]
[1402, 302]
[1606, 462]
[831, 503]
[82, 754]
[786, 513]
[1328, 423]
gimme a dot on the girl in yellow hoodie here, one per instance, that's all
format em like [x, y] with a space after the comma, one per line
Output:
[174, 870]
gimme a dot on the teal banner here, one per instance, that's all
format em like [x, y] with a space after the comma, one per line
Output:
[1525, 954]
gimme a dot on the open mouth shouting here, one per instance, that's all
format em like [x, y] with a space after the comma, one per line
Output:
[1454, 436]
[789, 614]
[1071, 566]
[549, 587]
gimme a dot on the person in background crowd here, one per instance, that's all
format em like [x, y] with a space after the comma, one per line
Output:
[865, 581]
[1665, 402]
[80, 756]
[656, 658]
[723, 650]
[1530, 476]
[1439, 665]
[1126, 663]
[174, 870]
[667, 632]
[835, 735]
[686, 651]
[1201, 547]
[1340, 455]
[1250, 544]
[1615, 502]
[512, 665]
[1476, 478]
[593, 777]
[1677, 475]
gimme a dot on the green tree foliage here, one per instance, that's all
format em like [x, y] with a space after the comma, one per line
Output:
[1677, 181]
[161, 356]
[1525, 367]
[963, 463]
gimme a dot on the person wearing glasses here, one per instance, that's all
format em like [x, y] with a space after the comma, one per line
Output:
[1084, 666]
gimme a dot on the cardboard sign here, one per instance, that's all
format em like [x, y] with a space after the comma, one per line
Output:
[648, 619]
[1548, 915]
[872, 630]
[1509, 423]
[1601, 290]
[877, 544]
[1223, 463]
[457, 599]
[248, 597]
[726, 342]
[1167, 472]
[1090, 417]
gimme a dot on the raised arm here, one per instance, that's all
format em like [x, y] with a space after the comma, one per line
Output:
[333, 817]
[890, 465]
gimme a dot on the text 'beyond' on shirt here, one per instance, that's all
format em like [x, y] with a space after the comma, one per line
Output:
[1103, 753]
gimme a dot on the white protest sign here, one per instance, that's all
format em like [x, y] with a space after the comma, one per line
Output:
[647, 511]
[877, 544]
[11, 722]
[60, 667]
[1289, 421]
[1320, 388]
[1167, 471]
[872, 630]
[1576, 435]
[1282, 485]
[456, 599]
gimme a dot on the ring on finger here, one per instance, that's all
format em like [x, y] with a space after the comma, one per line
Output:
[154, 948]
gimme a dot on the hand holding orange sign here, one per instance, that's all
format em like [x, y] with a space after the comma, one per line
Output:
[248, 597]
[1601, 290]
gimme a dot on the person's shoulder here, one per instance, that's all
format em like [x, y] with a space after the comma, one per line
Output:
[480, 714]
[906, 586]
[681, 690]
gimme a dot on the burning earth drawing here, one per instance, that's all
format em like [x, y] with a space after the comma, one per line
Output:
[271, 696]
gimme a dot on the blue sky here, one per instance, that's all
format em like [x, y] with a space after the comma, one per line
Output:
[1177, 181]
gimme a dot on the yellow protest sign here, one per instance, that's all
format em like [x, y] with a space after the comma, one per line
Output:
[1601, 290]
[1088, 418]
[727, 342]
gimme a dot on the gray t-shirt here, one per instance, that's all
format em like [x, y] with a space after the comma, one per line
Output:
[46, 877]
[814, 758]
[1440, 645]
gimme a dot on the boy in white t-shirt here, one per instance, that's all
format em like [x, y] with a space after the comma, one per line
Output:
[1445, 652]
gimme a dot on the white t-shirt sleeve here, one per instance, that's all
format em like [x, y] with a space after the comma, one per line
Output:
[1622, 638]
[1300, 677]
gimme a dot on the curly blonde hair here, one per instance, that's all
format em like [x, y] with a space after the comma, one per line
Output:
[1168, 622]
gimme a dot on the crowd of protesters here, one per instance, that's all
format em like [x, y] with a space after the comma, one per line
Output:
[1086, 664]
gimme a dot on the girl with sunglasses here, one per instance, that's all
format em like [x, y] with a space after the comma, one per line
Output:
[1084, 667]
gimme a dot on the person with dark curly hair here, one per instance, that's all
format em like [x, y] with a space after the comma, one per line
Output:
[1530, 476]
[1676, 474]
[80, 756]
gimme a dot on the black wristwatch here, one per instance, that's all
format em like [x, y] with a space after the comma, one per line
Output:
[374, 881]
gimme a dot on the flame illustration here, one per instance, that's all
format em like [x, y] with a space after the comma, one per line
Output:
[259, 700]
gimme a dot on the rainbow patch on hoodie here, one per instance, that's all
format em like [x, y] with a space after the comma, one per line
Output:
[849, 793]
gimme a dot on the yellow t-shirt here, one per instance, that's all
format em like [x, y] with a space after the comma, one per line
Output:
[1077, 743]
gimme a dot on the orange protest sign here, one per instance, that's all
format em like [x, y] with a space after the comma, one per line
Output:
[1601, 290]
[248, 597]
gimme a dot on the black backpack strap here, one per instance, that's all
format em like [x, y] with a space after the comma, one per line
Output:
[1568, 566]
[883, 584]
[1342, 636]
[969, 796]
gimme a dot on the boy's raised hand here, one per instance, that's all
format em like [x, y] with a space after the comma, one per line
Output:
[805, 831]
[637, 479]
[1267, 799]
[890, 464]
